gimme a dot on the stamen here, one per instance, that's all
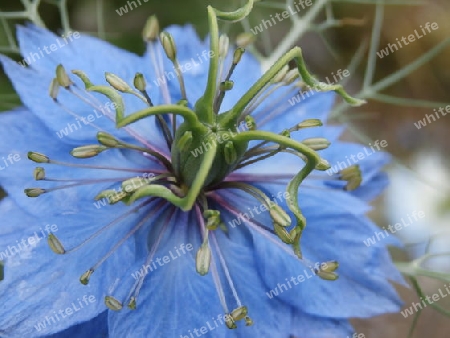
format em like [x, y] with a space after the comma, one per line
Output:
[279, 81]
[122, 86]
[273, 150]
[326, 270]
[203, 256]
[151, 33]
[107, 139]
[134, 292]
[39, 173]
[279, 217]
[245, 39]
[152, 27]
[36, 192]
[38, 157]
[113, 304]
[110, 141]
[141, 85]
[41, 158]
[123, 240]
[84, 279]
[54, 89]
[316, 143]
[225, 269]
[241, 311]
[258, 227]
[97, 105]
[214, 272]
[133, 184]
[171, 52]
[224, 44]
[157, 155]
[255, 177]
[62, 77]
[87, 151]
[130, 131]
[277, 107]
[55, 244]
[236, 59]
[331, 276]
[260, 98]
[353, 176]
[213, 220]
[87, 181]
[75, 115]
[108, 226]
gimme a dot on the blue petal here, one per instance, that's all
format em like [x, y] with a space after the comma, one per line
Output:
[304, 325]
[341, 155]
[38, 282]
[95, 328]
[315, 107]
[271, 317]
[83, 53]
[357, 292]
[175, 296]
[331, 234]
[25, 132]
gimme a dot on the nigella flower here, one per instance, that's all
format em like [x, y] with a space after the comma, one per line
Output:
[177, 204]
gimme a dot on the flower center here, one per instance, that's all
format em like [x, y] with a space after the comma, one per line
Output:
[191, 149]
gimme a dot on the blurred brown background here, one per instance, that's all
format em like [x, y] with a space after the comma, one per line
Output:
[378, 120]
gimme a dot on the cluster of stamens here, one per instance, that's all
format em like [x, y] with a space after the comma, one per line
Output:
[172, 182]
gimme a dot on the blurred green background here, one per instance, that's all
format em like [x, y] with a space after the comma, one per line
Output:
[324, 53]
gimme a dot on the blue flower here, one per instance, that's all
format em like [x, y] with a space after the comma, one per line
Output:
[222, 263]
